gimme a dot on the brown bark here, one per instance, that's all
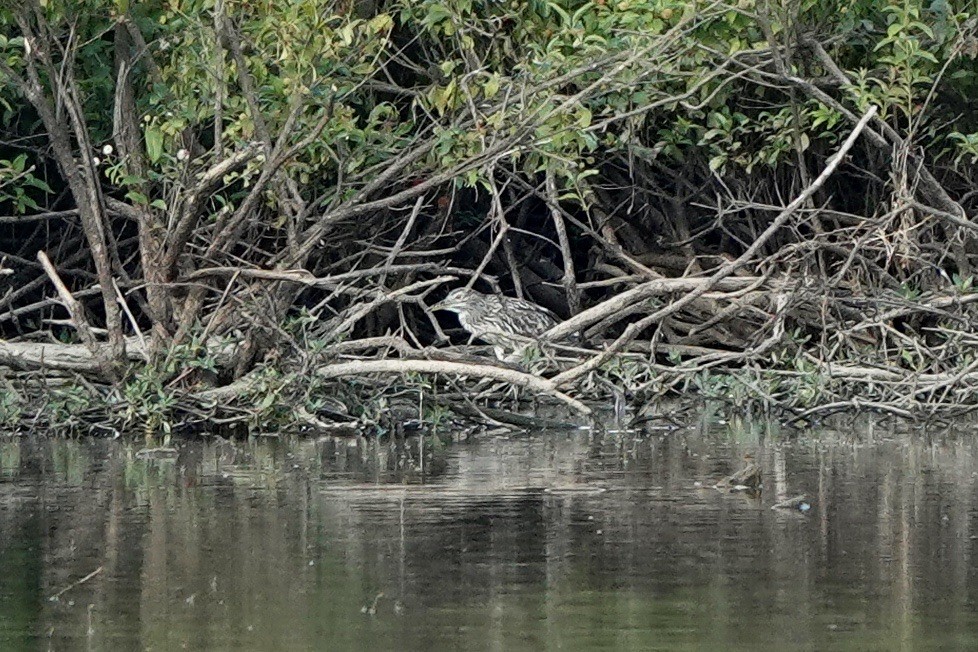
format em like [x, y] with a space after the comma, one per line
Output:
[79, 171]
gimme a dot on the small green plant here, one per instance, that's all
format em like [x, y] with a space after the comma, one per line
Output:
[11, 408]
[963, 284]
[149, 402]
[66, 405]
[16, 182]
[437, 415]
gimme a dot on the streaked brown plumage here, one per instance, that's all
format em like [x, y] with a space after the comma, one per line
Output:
[497, 319]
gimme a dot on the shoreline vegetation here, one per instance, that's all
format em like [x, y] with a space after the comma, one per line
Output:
[239, 213]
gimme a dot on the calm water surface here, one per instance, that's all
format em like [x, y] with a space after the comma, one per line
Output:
[572, 541]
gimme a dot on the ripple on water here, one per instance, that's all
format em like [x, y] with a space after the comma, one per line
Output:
[571, 540]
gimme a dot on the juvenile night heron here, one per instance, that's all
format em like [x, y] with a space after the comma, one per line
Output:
[503, 322]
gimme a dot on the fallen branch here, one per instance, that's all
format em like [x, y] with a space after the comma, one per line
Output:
[511, 376]
[64, 357]
[649, 289]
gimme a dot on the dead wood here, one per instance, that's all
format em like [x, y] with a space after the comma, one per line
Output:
[236, 273]
[77, 312]
[32, 356]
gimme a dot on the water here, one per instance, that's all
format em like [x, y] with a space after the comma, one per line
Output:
[550, 541]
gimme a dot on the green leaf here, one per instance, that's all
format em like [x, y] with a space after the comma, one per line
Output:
[923, 28]
[154, 144]
[583, 117]
[436, 14]
[137, 197]
[381, 23]
[37, 183]
[491, 87]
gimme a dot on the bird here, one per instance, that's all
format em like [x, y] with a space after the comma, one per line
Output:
[504, 322]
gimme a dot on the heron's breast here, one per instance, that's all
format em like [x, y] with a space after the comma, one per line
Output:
[463, 319]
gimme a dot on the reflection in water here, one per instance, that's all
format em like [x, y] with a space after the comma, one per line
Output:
[574, 540]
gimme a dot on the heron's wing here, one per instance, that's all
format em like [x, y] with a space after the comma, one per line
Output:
[542, 321]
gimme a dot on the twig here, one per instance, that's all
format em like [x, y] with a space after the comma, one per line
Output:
[57, 596]
[360, 311]
[396, 249]
[647, 290]
[77, 312]
[854, 404]
[144, 348]
[569, 279]
[37, 217]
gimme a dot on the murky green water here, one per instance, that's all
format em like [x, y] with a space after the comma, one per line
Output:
[571, 541]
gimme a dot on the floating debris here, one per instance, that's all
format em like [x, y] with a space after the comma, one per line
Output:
[158, 453]
[799, 503]
[574, 489]
[748, 478]
[372, 609]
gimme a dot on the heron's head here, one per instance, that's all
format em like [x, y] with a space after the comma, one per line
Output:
[458, 300]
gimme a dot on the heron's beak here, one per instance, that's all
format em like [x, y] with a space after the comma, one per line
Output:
[438, 306]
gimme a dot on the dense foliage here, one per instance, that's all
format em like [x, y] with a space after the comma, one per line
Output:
[232, 185]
